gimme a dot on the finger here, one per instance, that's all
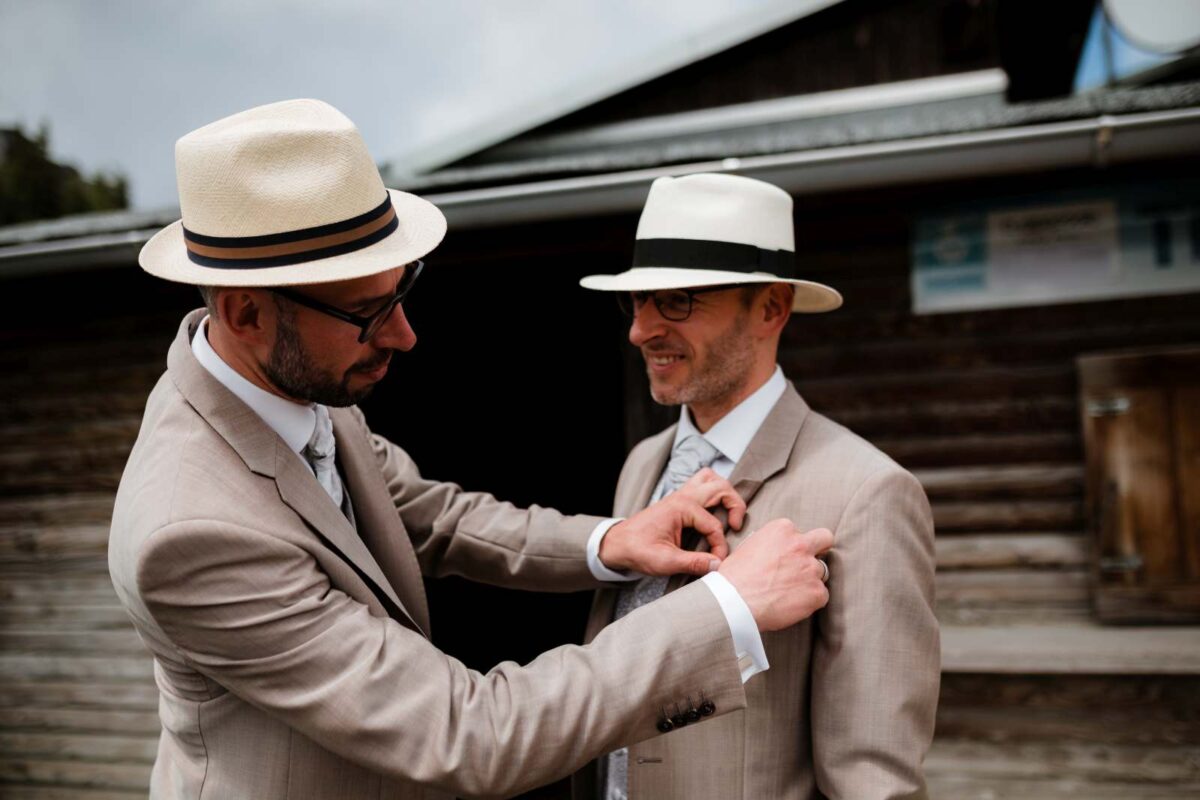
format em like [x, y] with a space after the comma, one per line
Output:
[717, 545]
[688, 563]
[820, 540]
[705, 523]
[736, 508]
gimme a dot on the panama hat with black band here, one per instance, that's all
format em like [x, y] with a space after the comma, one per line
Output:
[286, 194]
[712, 229]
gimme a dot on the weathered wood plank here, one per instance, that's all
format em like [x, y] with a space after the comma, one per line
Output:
[954, 384]
[107, 746]
[13, 791]
[53, 541]
[1028, 588]
[99, 720]
[1000, 550]
[1021, 723]
[1151, 697]
[1010, 514]
[1008, 415]
[76, 667]
[78, 641]
[60, 582]
[1012, 347]
[137, 695]
[1065, 760]
[72, 405]
[79, 507]
[998, 448]
[62, 434]
[1085, 649]
[1009, 481]
[75, 773]
[1005, 615]
[953, 787]
[63, 615]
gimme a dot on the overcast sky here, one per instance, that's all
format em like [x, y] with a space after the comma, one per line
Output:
[118, 81]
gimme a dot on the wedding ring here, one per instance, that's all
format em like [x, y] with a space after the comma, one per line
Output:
[825, 574]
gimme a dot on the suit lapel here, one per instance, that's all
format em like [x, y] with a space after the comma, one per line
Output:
[379, 524]
[766, 455]
[264, 453]
[770, 448]
[300, 490]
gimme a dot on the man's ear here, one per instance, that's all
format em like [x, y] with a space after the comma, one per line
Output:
[777, 305]
[248, 314]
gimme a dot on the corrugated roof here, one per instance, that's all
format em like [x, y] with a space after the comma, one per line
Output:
[677, 139]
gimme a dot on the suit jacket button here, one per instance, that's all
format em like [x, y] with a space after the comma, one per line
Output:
[708, 708]
[679, 720]
[692, 714]
[665, 725]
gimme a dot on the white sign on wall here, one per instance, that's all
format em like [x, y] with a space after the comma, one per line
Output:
[1057, 251]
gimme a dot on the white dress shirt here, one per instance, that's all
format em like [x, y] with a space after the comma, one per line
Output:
[294, 422]
[731, 435]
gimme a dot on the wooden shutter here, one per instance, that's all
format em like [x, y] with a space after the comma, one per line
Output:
[1141, 430]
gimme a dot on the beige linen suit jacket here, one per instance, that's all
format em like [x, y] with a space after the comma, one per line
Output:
[846, 710]
[291, 651]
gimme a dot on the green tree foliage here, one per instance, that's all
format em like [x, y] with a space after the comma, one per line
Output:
[34, 187]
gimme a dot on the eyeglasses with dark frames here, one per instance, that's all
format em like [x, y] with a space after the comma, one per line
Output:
[368, 326]
[673, 304]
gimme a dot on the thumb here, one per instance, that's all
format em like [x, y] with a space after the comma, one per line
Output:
[686, 562]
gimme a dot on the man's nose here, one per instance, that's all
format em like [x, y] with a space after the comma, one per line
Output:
[396, 333]
[647, 323]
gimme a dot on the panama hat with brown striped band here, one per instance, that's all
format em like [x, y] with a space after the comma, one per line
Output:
[286, 194]
[711, 229]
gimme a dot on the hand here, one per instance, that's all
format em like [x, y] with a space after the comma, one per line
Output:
[648, 542]
[776, 571]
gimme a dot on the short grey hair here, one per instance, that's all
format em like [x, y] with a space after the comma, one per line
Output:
[209, 295]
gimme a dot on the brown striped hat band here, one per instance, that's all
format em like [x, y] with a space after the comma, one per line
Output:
[293, 247]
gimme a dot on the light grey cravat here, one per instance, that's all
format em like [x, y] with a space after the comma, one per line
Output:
[690, 456]
[322, 455]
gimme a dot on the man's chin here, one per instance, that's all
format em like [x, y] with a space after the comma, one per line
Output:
[666, 395]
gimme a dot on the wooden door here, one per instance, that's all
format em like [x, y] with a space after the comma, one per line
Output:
[1141, 430]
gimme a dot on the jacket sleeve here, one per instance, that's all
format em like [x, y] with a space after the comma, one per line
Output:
[876, 662]
[473, 534]
[257, 615]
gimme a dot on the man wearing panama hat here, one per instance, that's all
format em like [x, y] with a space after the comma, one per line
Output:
[269, 549]
[846, 710]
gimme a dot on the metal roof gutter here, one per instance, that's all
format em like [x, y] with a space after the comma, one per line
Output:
[1097, 142]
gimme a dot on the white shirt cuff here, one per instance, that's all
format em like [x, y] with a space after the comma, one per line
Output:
[747, 642]
[601, 572]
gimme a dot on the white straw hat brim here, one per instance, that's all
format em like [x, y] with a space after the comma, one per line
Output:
[811, 297]
[422, 227]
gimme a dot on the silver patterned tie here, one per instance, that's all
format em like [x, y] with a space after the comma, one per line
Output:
[690, 456]
[322, 455]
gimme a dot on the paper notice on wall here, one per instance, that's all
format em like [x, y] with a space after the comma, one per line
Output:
[1056, 252]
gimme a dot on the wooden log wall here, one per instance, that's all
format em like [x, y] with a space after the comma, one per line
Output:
[78, 705]
[1037, 701]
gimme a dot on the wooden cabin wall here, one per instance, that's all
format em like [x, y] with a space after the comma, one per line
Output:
[78, 705]
[981, 406]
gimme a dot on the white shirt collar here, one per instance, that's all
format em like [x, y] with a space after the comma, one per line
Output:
[733, 432]
[294, 422]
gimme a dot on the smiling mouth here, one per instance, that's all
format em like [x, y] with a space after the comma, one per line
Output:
[662, 360]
